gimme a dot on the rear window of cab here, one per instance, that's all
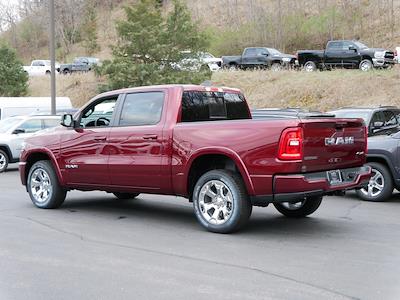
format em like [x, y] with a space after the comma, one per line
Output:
[200, 106]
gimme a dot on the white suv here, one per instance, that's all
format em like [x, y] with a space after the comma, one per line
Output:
[14, 130]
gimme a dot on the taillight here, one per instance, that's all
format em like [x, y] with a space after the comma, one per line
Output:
[291, 144]
[366, 139]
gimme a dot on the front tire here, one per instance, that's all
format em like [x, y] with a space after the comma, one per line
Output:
[275, 67]
[4, 160]
[299, 209]
[221, 202]
[43, 186]
[380, 186]
[366, 65]
[126, 196]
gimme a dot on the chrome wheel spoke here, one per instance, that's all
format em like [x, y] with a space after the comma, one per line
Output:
[40, 185]
[215, 202]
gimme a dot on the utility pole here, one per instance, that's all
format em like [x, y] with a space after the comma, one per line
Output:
[52, 57]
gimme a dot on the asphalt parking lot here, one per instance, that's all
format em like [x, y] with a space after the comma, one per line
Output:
[96, 247]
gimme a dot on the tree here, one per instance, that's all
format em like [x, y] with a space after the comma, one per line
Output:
[151, 45]
[89, 28]
[13, 78]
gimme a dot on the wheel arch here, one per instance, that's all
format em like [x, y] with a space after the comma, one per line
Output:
[36, 156]
[208, 159]
[385, 161]
[7, 150]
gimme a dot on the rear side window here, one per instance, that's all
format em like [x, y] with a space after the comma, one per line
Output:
[142, 109]
[31, 126]
[250, 52]
[49, 123]
[211, 106]
[335, 46]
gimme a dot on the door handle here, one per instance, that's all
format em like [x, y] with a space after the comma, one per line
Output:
[150, 137]
[100, 138]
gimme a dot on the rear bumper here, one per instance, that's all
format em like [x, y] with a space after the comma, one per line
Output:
[296, 187]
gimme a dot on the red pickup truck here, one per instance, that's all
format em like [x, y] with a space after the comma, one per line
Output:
[200, 143]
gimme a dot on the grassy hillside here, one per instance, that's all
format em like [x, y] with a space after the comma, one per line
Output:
[319, 90]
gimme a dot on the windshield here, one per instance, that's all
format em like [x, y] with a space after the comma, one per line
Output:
[352, 114]
[360, 45]
[273, 51]
[7, 124]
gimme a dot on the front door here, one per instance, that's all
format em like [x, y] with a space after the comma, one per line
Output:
[84, 151]
[138, 159]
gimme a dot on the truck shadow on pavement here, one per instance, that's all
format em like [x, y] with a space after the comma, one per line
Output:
[264, 221]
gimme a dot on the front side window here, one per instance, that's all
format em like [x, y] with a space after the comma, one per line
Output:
[99, 114]
[31, 126]
[211, 106]
[142, 109]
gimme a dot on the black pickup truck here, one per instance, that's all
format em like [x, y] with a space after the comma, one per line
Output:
[345, 54]
[259, 57]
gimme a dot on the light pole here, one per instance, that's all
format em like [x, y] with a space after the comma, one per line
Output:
[52, 34]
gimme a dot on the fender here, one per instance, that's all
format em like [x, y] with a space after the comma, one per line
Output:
[53, 160]
[9, 153]
[226, 152]
[388, 163]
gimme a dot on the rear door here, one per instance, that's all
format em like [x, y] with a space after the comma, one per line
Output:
[333, 54]
[249, 57]
[333, 144]
[138, 158]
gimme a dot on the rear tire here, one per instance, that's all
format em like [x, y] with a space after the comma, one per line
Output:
[126, 196]
[299, 209]
[310, 66]
[4, 160]
[221, 203]
[43, 186]
[380, 186]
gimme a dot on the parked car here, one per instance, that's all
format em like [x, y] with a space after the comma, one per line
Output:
[14, 130]
[383, 157]
[80, 64]
[40, 67]
[197, 142]
[289, 112]
[194, 62]
[345, 54]
[379, 120]
[19, 106]
[397, 55]
[259, 57]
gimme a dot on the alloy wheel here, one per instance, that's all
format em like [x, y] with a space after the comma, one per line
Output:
[375, 185]
[215, 202]
[41, 187]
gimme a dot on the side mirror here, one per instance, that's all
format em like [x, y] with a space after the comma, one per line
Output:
[67, 120]
[352, 48]
[18, 131]
[264, 54]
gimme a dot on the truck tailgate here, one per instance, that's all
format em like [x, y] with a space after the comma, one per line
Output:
[333, 144]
